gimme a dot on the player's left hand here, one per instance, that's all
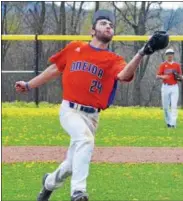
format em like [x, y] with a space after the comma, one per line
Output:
[158, 41]
[177, 76]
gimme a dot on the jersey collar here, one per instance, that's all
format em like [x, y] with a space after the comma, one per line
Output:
[170, 62]
[98, 49]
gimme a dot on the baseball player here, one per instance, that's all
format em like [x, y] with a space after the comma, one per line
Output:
[89, 77]
[170, 73]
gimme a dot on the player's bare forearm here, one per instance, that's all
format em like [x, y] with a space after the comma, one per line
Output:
[49, 74]
[163, 77]
[159, 77]
[130, 68]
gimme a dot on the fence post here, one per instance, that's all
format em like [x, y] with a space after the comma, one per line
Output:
[36, 69]
[182, 71]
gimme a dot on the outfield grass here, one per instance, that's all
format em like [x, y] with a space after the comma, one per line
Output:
[22, 181]
[23, 124]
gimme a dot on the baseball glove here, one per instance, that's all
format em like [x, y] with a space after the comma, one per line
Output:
[158, 41]
[177, 76]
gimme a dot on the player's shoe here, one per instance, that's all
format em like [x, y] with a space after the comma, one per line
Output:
[45, 194]
[79, 196]
[169, 126]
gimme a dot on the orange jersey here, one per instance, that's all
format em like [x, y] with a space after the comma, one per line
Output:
[89, 74]
[167, 68]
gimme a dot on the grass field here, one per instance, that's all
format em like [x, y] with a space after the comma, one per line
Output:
[22, 181]
[23, 124]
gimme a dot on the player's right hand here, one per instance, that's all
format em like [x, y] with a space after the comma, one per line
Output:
[20, 86]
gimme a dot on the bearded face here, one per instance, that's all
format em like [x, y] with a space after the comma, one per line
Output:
[103, 31]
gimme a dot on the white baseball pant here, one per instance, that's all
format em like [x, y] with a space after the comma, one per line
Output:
[81, 127]
[170, 96]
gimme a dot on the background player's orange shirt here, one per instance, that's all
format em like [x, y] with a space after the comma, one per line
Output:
[167, 68]
[89, 74]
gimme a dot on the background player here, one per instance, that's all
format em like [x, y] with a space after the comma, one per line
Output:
[170, 89]
[90, 73]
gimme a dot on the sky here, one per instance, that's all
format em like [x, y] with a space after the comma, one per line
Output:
[165, 5]
[173, 5]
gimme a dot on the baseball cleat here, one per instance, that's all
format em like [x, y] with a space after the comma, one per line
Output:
[79, 196]
[45, 194]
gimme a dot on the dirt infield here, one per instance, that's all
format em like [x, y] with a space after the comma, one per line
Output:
[13, 154]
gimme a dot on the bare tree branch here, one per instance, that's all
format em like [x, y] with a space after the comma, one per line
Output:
[135, 12]
[43, 12]
[130, 10]
[54, 12]
[153, 28]
[171, 19]
[124, 15]
[149, 3]
[73, 16]
[78, 16]
[69, 5]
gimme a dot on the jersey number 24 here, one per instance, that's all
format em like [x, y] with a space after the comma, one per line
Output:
[96, 86]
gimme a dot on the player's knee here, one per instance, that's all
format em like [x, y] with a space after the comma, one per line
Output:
[56, 179]
[86, 137]
[65, 168]
[87, 142]
[174, 110]
[89, 139]
[174, 107]
[68, 170]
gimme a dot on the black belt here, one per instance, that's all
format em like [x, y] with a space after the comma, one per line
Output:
[83, 108]
[169, 84]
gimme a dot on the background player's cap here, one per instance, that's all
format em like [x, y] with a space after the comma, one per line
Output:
[169, 51]
[103, 14]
